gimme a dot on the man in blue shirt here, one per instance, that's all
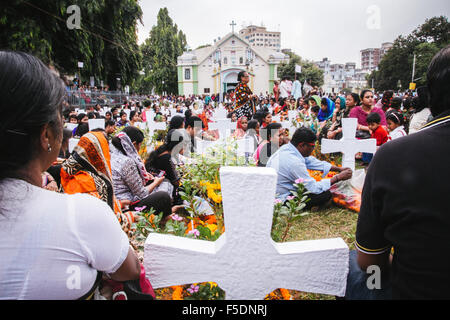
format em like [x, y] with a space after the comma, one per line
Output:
[292, 162]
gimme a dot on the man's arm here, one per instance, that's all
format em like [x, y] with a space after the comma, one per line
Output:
[382, 260]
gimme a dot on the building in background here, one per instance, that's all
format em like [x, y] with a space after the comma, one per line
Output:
[260, 37]
[371, 57]
[214, 69]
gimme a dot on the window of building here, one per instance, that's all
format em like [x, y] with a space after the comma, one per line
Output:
[241, 60]
[225, 60]
[187, 74]
[206, 90]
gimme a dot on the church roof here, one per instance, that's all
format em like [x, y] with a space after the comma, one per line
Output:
[202, 54]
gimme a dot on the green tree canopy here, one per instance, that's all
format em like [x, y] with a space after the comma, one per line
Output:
[310, 71]
[397, 65]
[160, 53]
[106, 42]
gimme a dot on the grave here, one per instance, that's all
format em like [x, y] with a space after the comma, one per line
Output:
[224, 126]
[349, 146]
[245, 261]
[96, 124]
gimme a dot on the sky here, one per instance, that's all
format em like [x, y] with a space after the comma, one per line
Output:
[313, 29]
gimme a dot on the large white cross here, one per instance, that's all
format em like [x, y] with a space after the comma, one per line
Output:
[153, 125]
[349, 146]
[245, 261]
[224, 126]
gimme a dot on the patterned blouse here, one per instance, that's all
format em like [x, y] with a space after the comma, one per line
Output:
[243, 104]
[125, 176]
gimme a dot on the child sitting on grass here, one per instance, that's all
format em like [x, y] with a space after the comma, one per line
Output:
[376, 132]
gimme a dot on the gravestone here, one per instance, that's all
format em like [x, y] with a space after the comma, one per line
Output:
[71, 126]
[224, 126]
[292, 115]
[220, 114]
[349, 146]
[96, 124]
[245, 261]
[153, 125]
[276, 119]
[72, 143]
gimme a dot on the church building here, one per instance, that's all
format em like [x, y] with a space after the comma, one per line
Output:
[214, 69]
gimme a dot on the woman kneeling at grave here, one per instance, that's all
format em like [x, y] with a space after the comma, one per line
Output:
[54, 246]
[133, 185]
[160, 162]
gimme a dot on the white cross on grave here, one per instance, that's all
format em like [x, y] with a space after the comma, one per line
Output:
[219, 114]
[245, 261]
[153, 126]
[349, 146]
[96, 124]
[224, 126]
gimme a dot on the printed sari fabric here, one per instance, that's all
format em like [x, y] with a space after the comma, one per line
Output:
[243, 104]
[88, 170]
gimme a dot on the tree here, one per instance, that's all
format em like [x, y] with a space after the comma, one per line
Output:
[310, 71]
[160, 54]
[106, 42]
[424, 42]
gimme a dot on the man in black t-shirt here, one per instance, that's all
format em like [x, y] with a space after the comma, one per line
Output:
[405, 207]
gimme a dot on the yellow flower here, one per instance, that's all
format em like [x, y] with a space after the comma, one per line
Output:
[212, 227]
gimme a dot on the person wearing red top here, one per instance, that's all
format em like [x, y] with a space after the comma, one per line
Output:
[377, 131]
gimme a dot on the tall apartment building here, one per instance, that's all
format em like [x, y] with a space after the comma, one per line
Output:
[260, 37]
[371, 57]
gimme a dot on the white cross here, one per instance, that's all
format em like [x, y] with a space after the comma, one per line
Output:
[245, 261]
[72, 143]
[349, 146]
[220, 114]
[153, 125]
[233, 24]
[96, 124]
[224, 126]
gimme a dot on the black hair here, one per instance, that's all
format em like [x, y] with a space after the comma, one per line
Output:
[315, 109]
[240, 75]
[32, 96]
[135, 135]
[266, 133]
[67, 134]
[73, 117]
[82, 129]
[174, 137]
[303, 134]
[396, 103]
[80, 117]
[91, 115]
[176, 122]
[355, 97]
[438, 82]
[373, 117]
[252, 124]
[407, 103]
[192, 120]
[363, 93]
[395, 117]
[109, 123]
[324, 102]
[420, 102]
[187, 114]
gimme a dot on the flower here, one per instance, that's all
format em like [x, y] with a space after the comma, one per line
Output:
[193, 289]
[195, 232]
[277, 201]
[289, 198]
[140, 208]
[176, 217]
[299, 180]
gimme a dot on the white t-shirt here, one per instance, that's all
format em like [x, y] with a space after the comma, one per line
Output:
[284, 89]
[51, 244]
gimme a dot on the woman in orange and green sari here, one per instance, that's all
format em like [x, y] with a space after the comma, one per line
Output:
[88, 170]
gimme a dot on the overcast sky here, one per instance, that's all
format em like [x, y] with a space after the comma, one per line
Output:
[337, 29]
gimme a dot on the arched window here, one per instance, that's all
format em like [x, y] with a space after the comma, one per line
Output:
[225, 60]
[241, 60]
[187, 74]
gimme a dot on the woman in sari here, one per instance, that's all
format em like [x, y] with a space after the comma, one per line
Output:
[244, 105]
[88, 170]
[326, 109]
[241, 127]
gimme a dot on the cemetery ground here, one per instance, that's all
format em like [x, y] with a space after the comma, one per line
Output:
[332, 222]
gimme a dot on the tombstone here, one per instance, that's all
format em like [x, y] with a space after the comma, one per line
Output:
[96, 124]
[276, 119]
[72, 143]
[150, 115]
[245, 146]
[141, 125]
[292, 115]
[202, 146]
[349, 146]
[245, 261]
[127, 111]
[220, 114]
[71, 126]
[224, 126]
[153, 125]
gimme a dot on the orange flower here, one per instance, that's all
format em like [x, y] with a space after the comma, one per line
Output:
[285, 293]
[177, 293]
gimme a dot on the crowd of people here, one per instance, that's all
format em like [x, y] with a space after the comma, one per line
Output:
[63, 210]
